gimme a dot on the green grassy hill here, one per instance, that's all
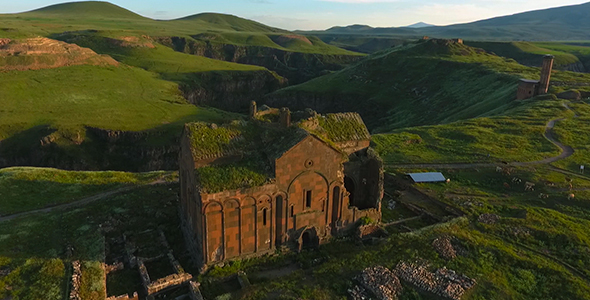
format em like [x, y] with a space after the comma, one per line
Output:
[531, 54]
[84, 10]
[231, 22]
[554, 24]
[48, 114]
[98, 15]
[427, 82]
[218, 36]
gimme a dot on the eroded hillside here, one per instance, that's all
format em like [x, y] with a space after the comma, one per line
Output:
[43, 53]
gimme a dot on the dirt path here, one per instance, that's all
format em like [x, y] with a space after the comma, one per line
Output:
[83, 201]
[566, 151]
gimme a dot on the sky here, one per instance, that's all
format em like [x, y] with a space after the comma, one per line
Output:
[323, 14]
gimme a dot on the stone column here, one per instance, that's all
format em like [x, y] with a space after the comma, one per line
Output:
[285, 117]
[545, 74]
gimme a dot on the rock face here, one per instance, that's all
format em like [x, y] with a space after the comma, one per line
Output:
[576, 67]
[232, 91]
[381, 282]
[297, 67]
[570, 95]
[99, 150]
[327, 103]
[43, 53]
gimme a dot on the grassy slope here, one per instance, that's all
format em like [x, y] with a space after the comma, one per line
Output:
[517, 136]
[79, 16]
[25, 189]
[120, 98]
[574, 132]
[425, 83]
[530, 54]
[33, 248]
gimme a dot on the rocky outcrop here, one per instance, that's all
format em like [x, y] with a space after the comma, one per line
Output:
[328, 103]
[575, 67]
[570, 95]
[231, 91]
[99, 149]
[43, 53]
[297, 67]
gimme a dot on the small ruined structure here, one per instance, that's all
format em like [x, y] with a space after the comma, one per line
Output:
[280, 180]
[530, 88]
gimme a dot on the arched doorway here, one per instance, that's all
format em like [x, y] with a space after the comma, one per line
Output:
[280, 220]
[349, 186]
[308, 239]
[335, 205]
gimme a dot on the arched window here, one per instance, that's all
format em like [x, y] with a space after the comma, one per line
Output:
[292, 211]
[264, 216]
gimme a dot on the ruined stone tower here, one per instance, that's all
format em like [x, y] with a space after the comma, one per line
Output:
[545, 74]
[530, 88]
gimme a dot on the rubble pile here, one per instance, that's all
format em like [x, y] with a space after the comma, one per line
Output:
[369, 231]
[445, 283]
[452, 276]
[381, 282]
[489, 219]
[76, 277]
[520, 231]
[358, 293]
[444, 247]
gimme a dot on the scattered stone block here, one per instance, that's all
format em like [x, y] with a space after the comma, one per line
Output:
[444, 247]
[381, 282]
[489, 219]
[444, 283]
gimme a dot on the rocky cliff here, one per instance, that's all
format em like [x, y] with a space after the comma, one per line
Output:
[297, 67]
[231, 91]
[327, 103]
[96, 149]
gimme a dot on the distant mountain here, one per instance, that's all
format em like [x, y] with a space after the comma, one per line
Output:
[561, 23]
[86, 10]
[349, 29]
[419, 25]
[231, 22]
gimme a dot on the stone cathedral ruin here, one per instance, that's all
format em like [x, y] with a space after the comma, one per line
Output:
[280, 180]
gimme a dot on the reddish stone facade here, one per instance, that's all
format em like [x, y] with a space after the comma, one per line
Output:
[312, 197]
